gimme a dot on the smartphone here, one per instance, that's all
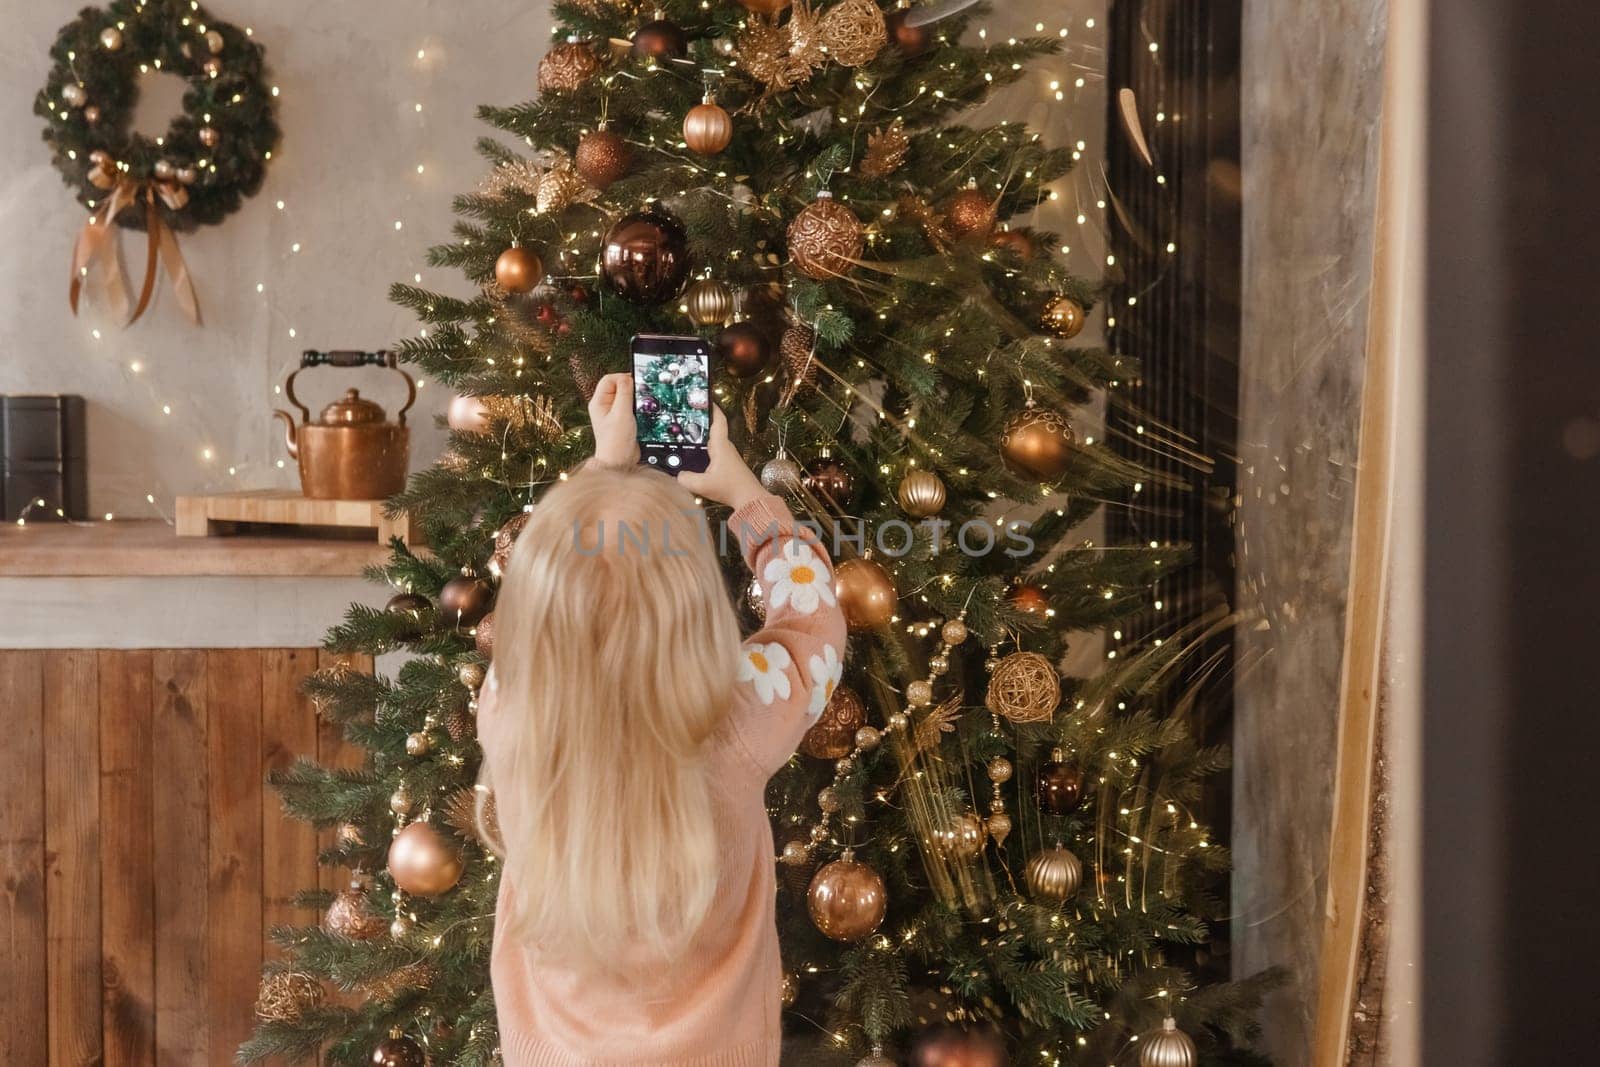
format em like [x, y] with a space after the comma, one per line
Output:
[672, 401]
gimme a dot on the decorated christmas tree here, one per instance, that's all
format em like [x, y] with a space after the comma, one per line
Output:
[980, 859]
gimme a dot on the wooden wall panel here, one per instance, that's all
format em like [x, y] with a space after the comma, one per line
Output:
[23, 973]
[334, 751]
[127, 862]
[288, 731]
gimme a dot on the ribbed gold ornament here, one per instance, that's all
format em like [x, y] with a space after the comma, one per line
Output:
[709, 302]
[1167, 1047]
[921, 494]
[1053, 875]
[826, 238]
[707, 128]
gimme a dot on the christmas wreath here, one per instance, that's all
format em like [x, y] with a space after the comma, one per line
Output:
[197, 173]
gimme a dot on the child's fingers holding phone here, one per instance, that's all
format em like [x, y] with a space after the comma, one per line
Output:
[726, 478]
[611, 415]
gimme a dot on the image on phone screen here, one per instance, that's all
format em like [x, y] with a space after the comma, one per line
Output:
[672, 401]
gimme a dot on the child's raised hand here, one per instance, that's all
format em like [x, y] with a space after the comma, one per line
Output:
[726, 478]
[611, 414]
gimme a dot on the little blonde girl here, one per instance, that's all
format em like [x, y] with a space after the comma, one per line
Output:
[628, 737]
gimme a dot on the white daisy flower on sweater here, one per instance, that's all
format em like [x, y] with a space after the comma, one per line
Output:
[826, 670]
[763, 666]
[798, 577]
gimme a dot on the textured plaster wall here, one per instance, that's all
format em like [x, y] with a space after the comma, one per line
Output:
[1312, 94]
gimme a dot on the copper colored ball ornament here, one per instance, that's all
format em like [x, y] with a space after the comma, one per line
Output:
[830, 480]
[921, 494]
[826, 238]
[602, 157]
[707, 128]
[398, 1051]
[645, 258]
[505, 539]
[518, 270]
[963, 840]
[1053, 875]
[465, 600]
[958, 1046]
[418, 744]
[423, 862]
[413, 608]
[74, 94]
[483, 636]
[111, 38]
[866, 593]
[742, 350]
[1038, 443]
[467, 414]
[209, 136]
[91, 115]
[970, 214]
[567, 66]
[1167, 1047]
[833, 735]
[214, 42]
[1060, 785]
[348, 915]
[1063, 316]
[781, 475]
[1029, 599]
[1000, 770]
[912, 41]
[769, 8]
[709, 302]
[1016, 242]
[660, 39]
[847, 900]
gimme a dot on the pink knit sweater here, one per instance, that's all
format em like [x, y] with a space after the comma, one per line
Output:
[719, 1005]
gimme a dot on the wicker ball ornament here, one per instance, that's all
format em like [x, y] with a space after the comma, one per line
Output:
[833, 735]
[568, 65]
[1168, 1047]
[847, 900]
[1063, 316]
[518, 270]
[921, 494]
[826, 238]
[423, 862]
[707, 128]
[602, 157]
[1053, 875]
[854, 32]
[1038, 443]
[970, 214]
[866, 594]
[285, 998]
[709, 302]
[1024, 688]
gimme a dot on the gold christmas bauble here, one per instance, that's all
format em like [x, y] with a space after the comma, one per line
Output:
[423, 862]
[1053, 875]
[921, 494]
[963, 839]
[111, 38]
[826, 238]
[1000, 770]
[847, 900]
[418, 744]
[708, 302]
[400, 801]
[567, 66]
[471, 675]
[1024, 687]
[999, 827]
[1167, 1047]
[209, 136]
[1038, 443]
[781, 475]
[214, 42]
[919, 693]
[285, 998]
[349, 916]
[74, 94]
[833, 735]
[970, 214]
[854, 32]
[707, 128]
[867, 738]
[953, 632]
[866, 593]
[1063, 316]
[518, 270]
[602, 157]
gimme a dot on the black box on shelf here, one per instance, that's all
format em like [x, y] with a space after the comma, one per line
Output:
[43, 457]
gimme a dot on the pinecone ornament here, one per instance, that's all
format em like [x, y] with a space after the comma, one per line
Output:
[797, 351]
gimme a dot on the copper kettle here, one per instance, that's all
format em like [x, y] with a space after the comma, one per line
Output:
[351, 452]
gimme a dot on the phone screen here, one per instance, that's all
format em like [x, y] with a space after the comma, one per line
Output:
[672, 401]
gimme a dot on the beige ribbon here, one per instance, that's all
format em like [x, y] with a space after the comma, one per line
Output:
[95, 251]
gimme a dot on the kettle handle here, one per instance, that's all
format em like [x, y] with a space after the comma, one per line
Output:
[349, 357]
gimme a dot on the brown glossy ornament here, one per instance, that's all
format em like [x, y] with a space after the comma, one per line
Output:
[645, 257]
[709, 302]
[602, 157]
[1015, 242]
[833, 735]
[770, 8]
[707, 128]
[1038, 443]
[414, 607]
[958, 1046]
[567, 66]
[423, 862]
[518, 270]
[866, 594]
[91, 115]
[1059, 786]
[826, 238]
[970, 214]
[209, 137]
[742, 350]
[921, 494]
[1028, 599]
[1063, 316]
[1053, 875]
[660, 39]
[483, 636]
[830, 480]
[505, 539]
[847, 900]
[348, 915]
[465, 600]
[1167, 1047]
[912, 41]
[963, 839]
[398, 1051]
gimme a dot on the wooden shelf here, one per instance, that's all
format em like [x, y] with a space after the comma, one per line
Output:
[153, 549]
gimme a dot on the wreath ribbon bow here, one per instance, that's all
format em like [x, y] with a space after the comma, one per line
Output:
[95, 250]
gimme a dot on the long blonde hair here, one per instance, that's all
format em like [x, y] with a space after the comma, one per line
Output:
[616, 651]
